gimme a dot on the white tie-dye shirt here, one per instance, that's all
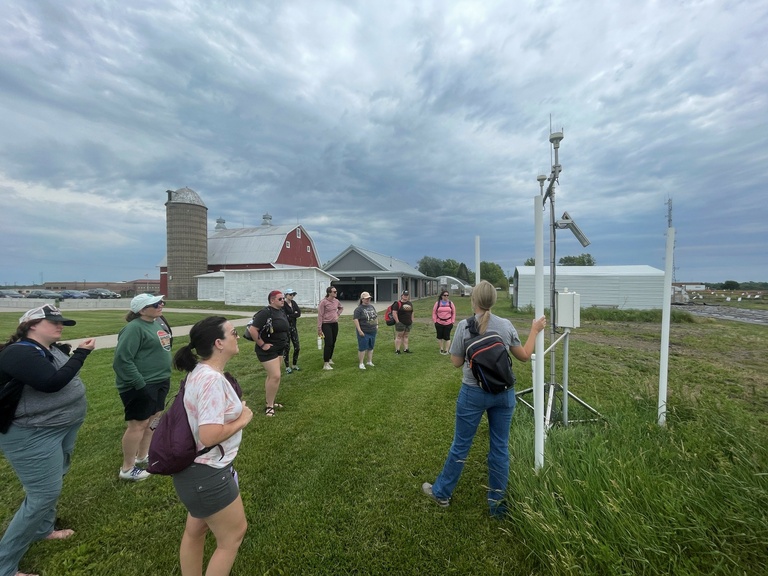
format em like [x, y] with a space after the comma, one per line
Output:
[210, 399]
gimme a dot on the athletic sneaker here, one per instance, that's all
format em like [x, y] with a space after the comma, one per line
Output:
[397, 351]
[442, 502]
[288, 370]
[327, 367]
[362, 366]
[142, 461]
[296, 368]
[407, 351]
[136, 474]
[370, 363]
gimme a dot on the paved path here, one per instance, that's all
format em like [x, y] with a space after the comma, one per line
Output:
[236, 317]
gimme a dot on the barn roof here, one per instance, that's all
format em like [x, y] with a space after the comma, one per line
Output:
[259, 245]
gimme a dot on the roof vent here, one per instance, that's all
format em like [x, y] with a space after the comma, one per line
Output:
[220, 224]
[267, 220]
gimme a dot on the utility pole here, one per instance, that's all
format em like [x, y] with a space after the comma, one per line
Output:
[669, 225]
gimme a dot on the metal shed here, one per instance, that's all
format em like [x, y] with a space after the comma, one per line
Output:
[624, 287]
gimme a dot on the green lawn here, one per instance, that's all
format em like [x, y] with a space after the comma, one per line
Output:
[332, 484]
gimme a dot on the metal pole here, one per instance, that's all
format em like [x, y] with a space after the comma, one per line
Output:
[565, 375]
[538, 360]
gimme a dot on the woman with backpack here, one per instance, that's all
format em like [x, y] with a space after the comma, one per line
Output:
[444, 316]
[270, 331]
[208, 488]
[473, 402]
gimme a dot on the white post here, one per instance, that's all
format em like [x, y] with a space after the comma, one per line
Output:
[538, 371]
[477, 260]
[665, 321]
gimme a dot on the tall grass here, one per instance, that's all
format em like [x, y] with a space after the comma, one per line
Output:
[332, 484]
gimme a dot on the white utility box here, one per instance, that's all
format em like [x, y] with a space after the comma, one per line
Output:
[568, 307]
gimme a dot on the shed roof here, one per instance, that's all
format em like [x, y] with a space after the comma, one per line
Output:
[378, 263]
[632, 270]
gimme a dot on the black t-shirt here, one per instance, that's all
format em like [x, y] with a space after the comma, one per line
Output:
[405, 312]
[273, 326]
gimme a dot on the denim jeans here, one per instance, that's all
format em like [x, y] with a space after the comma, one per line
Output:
[40, 457]
[470, 406]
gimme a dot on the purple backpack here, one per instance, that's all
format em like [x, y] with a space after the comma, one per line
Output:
[173, 447]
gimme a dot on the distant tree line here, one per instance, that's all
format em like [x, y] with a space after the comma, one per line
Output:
[490, 271]
[733, 285]
[581, 260]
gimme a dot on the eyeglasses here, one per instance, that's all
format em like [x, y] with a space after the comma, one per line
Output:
[443, 295]
[280, 299]
[333, 290]
[157, 305]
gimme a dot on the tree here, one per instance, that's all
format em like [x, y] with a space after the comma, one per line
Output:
[450, 267]
[730, 285]
[462, 273]
[430, 266]
[493, 273]
[582, 260]
[530, 262]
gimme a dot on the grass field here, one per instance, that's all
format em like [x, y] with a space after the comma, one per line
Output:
[332, 484]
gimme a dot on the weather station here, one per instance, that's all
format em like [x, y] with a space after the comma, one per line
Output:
[565, 314]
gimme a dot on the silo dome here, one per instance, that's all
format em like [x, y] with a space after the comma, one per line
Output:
[185, 196]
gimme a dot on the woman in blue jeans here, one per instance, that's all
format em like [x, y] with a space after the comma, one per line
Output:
[473, 402]
[40, 418]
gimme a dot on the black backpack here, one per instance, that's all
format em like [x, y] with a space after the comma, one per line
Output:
[489, 359]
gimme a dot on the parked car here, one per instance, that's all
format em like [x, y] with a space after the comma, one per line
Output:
[10, 294]
[45, 294]
[75, 294]
[102, 293]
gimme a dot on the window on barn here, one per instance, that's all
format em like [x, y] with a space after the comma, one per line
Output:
[287, 243]
[298, 232]
[308, 250]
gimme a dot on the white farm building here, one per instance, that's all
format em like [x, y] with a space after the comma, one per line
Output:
[624, 287]
[251, 287]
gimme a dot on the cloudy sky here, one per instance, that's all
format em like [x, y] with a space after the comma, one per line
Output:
[404, 127]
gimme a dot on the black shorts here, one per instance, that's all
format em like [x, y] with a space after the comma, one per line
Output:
[443, 331]
[271, 354]
[205, 490]
[143, 403]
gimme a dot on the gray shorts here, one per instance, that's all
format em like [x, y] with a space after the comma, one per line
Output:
[205, 490]
[400, 327]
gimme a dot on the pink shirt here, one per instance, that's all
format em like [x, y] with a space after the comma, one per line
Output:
[328, 311]
[210, 399]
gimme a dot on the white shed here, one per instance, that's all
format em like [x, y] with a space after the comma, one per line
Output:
[624, 287]
[251, 287]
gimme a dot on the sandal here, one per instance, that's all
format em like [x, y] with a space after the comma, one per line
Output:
[60, 534]
[269, 411]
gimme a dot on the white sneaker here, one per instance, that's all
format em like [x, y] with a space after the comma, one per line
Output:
[296, 368]
[362, 366]
[370, 363]
[135, 474]
[327, 367]
[330, 361]
[142, 461]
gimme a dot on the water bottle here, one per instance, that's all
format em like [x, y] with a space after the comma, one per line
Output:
[319, 342]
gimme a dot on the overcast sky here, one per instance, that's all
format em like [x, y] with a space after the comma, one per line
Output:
[404, 127]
